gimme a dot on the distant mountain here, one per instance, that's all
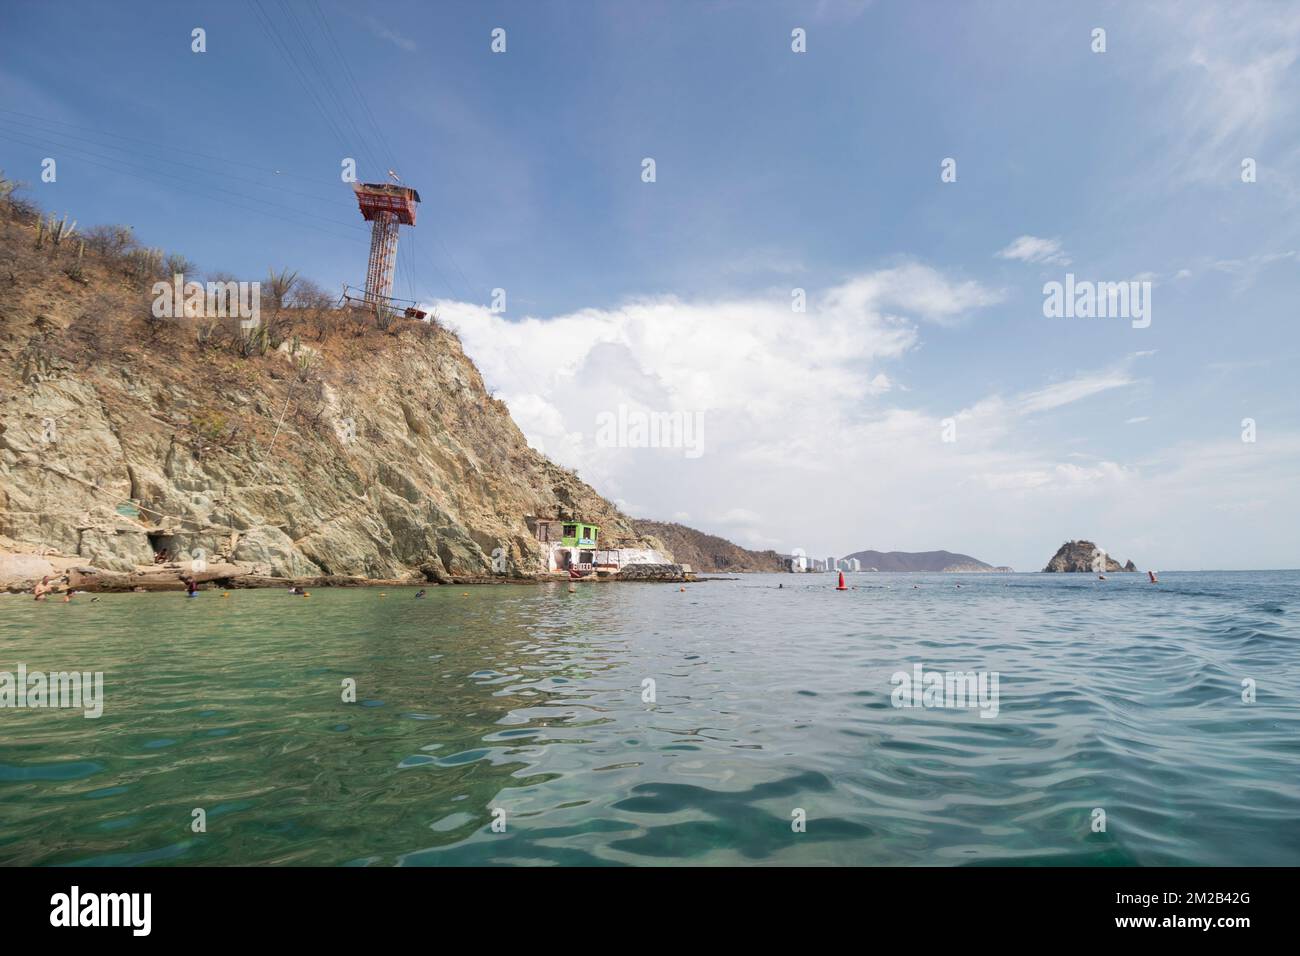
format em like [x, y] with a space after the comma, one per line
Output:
[921, 561]
[706, 552]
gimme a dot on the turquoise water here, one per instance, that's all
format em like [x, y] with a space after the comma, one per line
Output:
[1116, 695]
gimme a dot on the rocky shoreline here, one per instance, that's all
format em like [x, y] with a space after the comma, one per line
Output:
[21, 572]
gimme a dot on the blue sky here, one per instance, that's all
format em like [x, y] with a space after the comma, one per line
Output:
[775, 170]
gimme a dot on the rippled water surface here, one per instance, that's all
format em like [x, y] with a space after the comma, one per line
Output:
[1118, 695]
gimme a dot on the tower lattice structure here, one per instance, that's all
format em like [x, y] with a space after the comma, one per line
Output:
[386, 207]
[383, 257]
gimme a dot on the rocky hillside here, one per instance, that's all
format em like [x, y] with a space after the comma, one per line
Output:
[707, 552]
[323, 442]
[1084, 556]
[921, 561]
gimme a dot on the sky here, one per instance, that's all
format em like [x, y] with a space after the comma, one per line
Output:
[916, 176]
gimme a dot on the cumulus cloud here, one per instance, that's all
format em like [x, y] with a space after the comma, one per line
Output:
[809, 436]
[913, 289]
[749, 365]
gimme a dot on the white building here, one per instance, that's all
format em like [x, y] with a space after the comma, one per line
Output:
[573, 545]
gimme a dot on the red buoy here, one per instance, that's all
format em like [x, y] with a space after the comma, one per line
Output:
[840, 586]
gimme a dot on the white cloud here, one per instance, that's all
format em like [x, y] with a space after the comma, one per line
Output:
[744, 364]
[1035, 249]
[1248, 269]
[398, 40]
[1073, 390]
[1234, 69]
[1064, 478]
[912, 288]
[805, 440]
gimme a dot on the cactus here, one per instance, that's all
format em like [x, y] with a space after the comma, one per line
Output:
[304, 365]
[39, 236]
[60, 230]
[280, 287]
[254, 341]
[76, 272]
[145, 262]
[384, 316]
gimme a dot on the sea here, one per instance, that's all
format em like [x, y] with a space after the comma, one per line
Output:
[913, 720]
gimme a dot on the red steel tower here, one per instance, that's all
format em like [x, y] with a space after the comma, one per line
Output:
[386, 206]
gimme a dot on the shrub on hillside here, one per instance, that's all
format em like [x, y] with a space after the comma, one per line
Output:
[15, 206]
[111, 242]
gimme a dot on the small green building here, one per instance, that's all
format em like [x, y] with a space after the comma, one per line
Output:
[578, 535]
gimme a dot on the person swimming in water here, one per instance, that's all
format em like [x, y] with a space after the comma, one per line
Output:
[420, 593]
[42, 589]
[191, 587]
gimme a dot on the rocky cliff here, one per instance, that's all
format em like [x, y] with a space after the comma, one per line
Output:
[322, 442]
[1085, 556]
[707, 552]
